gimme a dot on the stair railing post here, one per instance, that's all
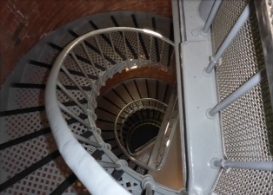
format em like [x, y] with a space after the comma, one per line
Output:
[126, 51]
[255, 165]
[81, 68]
[75, 82]
[161, 54]
[211, 17]
[255, 80]
[138, 50]
[101, 53]
[150, 50]
[232, 34]
[71, 96]
[93, 65]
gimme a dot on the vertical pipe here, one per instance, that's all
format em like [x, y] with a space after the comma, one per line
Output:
[256, 79]
[211, 17]
[235, 29]
[255, 165]
[149, 190]
[205, 8]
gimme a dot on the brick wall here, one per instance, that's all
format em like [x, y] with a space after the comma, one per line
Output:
[24, 22]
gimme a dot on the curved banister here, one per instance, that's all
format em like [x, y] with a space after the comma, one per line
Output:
[77, 158]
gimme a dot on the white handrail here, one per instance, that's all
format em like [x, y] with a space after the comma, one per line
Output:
[77, 158]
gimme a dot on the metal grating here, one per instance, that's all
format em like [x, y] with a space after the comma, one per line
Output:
[45, 180]
[244, 181]
[48, 55]
[17, 158]
[247, 124]
[27, 97]
[246, 116]
[63, 79]
[23, 124]
[39, 75]
[226, 17]
[108, 50]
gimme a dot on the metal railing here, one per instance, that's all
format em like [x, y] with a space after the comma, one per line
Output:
[226, 162]
[87, 169]
[125, 113]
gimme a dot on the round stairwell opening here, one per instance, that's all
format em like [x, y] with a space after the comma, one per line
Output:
[141, 136]
[141, 129]
[134, 110]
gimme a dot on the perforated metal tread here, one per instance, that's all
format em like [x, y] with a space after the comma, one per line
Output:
[15, 126]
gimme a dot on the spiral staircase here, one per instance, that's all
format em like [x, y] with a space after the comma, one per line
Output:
[93, 107]
[30, 160]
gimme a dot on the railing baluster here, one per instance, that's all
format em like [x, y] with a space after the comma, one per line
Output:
[150, 50]
[255, 80]
[71, 96]
[97, 137]
[149, 190]
[256, 165]
[138, 50]
[161, 54]
[81, 68]
[69, 112]
[87, 141]
[90, 118]
[75, 82]
[101, 53]
[127, 58]
[112, 44]
[94, 67]
[211, 17]
[232, 34]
